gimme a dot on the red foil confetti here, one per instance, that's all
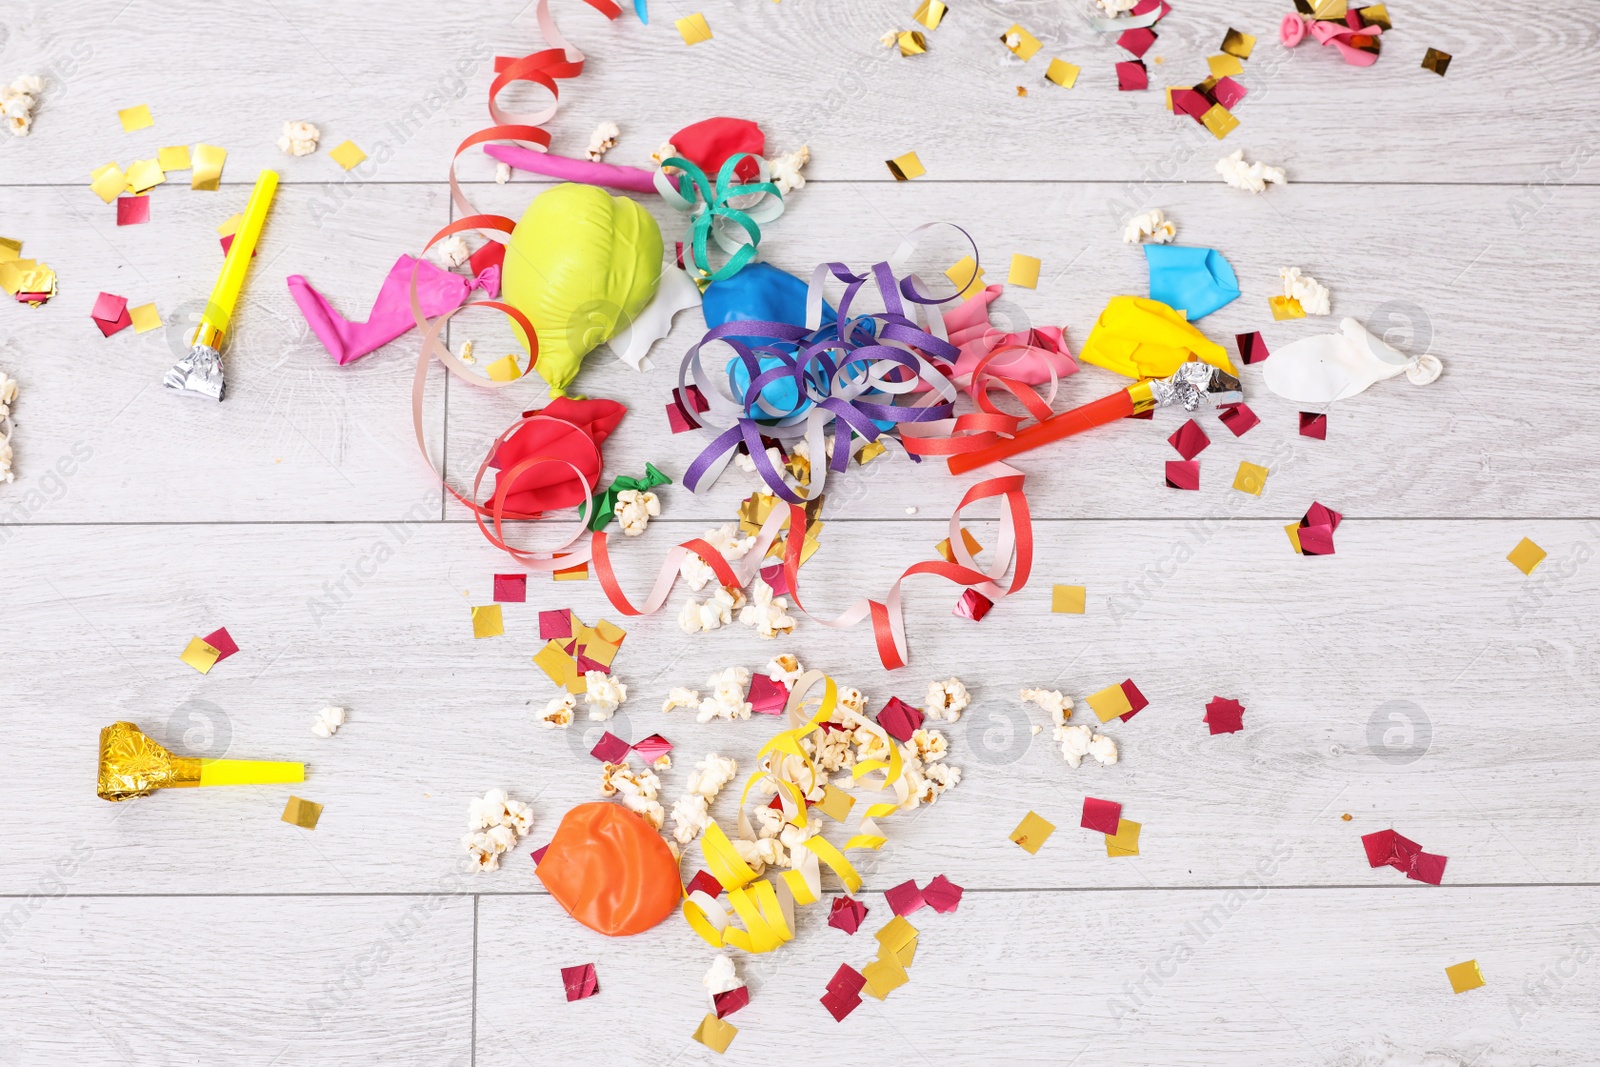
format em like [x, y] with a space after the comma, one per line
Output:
[513, 589]
[1224, 716]
[1314, 424]
[904, 898]
[1101, 815]
[1183, 474]
[899, 719]
[1238, 418]
[581, 981]
[611, 749]
[1252, 349]
[1189, 439]
[1137, 701]
[973, 605]
[846, 914]
[730, 1001]
[942, 895]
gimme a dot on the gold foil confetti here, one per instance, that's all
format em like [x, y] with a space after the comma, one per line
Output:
[145, 174]
[973, 548]
[884, 975]
[836, 803]
[504, 369]
[173, 158]
[1126, 840]
[1376, 15]
[911, 42]
[1224, 66]
[714, 1033]
[906, 167]
[1293, 530]
[302, 813]
[930, 13]
[1464, 976]
[1032, 832]
[229, 225]
[869, 452]
[1024, 271]
[694, 30]
[1025, 45]
[145, 318]
[135, 118]
[964, 271]
[1250, 479]
[1067, 599]
[201, 656]
[1285, 307]
[206, 173]
[348, 155]
[1220, 121]
[1436, 61]
[1238, 44]
[1323, 9]
[1062, 73]
[9, 249]
[1526, 556]
[1109, 703]
[108, 182]
[487, 621]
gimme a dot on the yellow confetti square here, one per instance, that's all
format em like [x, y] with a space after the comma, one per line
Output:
[206, 173]
[1464, 976]
[836, 803]
[895, 935]
[930, 13]
[557, 665]
[580, 573]
[973, 548]
[965, 272]
[504, 370]
[1067, 599]
[912, 43]
[1251, 478]
[1062, 73]
[906, 167]
[9, 249]
[201, 656]
[1224, 66]
[906, 954]
[1219, 120]
[302, 813]
[714, 1033]
[1024, 271]
[1285, 307]
[1109, 703]
[145, 318]
[694, 29]
[1293, 530]
[1021, 42]
[1526, 556]
[884, 976]
[108, 182]
[1238, 44]
[135, 118]
[174, 158]
[487, 621]
[348, 155]
[610, 632]
[1032, 832]
[230, 225]
[1125, 842]
[1376, 15]
[145, 174]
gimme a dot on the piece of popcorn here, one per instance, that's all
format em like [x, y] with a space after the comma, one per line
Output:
[793, 840]
[481, 852]
[769, 822]
[1051, 700]
[744, 462]
[679, 697]
[760, 854]
[558, 712]
[487, 811]
[299, 138]
[929, 745]
[940, 777]
[653, 812]
[785, 669]
[502, 173]
[662, 762]
[17, 102]
[726, 540]
[830, 749]
[1151, 226]
[502, 838]
[690, 816]
[722, 977]
[768, 614]
[8, 394]
[660, 156]
[1313, 295]
[785, 170]
[727, 696]
[465, 355]
[947, 700]
[711, 775]
[1116, 7]
[1103, 749]
[1075, 742]
[871, 744]
[716, 612]
[852, 699]
[328, 721]
[888, 39]
[635, 509]
[452, 252]
[1250, 176]
[603, 140]
[602, 695]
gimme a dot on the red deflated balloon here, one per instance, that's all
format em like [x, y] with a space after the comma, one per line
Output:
[611, 870]
[583, 426]
[709, 143]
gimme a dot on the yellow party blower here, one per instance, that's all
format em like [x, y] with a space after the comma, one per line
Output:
[134, 765]
[200, 372]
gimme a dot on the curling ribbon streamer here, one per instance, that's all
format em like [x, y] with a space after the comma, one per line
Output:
[713, 214]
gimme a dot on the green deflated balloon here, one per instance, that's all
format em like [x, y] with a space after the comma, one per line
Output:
[581, 265]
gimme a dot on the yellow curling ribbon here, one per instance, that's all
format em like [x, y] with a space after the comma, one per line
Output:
[700, 920]
[726, 865]
[836, 862]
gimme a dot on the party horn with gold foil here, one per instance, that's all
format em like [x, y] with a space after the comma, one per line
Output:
[200, 372]
[134, 765]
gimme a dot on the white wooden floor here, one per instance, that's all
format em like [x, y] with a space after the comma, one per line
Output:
[199, 928]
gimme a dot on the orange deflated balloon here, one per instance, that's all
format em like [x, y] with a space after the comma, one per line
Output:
[610, 870]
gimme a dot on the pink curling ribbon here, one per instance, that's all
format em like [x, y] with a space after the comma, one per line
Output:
[437, 291]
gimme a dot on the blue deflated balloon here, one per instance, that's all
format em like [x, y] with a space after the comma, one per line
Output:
[1196, 281]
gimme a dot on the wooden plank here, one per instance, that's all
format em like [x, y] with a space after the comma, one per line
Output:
[1184, 978]
[254, 980]
[1422, 619]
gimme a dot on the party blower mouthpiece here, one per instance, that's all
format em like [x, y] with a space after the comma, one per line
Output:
[1194, 385]
[134, 765]
[200, 372]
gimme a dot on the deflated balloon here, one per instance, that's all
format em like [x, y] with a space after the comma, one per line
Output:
[1147, 339]
[582, 264]
[611, 870]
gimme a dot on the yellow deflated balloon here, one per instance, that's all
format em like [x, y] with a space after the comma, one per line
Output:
[1143, 338]
[581, 265]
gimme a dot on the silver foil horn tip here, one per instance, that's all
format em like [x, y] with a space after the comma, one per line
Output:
[197, 374]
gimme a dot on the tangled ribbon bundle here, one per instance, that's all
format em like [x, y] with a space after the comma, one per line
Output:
[714, 213]
[766, 907]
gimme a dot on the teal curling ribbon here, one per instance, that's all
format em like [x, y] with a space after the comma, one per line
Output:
[735, 230]
[605, 504]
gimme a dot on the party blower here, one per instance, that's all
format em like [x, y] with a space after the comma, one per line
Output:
[1195, 384]
[134, 765]
[200, 372]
